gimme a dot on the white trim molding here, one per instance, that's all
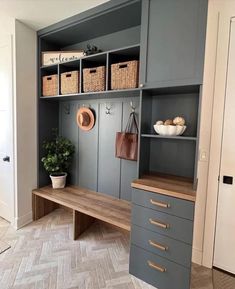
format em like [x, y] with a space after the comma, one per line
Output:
[24, 220]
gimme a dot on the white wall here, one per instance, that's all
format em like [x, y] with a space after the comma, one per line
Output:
[7, 25]
[25, 121]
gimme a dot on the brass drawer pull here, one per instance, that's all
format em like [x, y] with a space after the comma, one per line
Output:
[159, 204]
[158, 246]
[156, 267]
[159, 224]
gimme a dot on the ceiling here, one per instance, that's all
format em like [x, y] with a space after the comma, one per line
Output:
[41, 13]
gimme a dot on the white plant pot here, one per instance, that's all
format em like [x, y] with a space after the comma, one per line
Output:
[58, 182]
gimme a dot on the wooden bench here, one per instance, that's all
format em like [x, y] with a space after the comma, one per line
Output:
[85, 204]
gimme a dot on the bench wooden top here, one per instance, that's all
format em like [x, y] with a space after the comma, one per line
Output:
[97, 205]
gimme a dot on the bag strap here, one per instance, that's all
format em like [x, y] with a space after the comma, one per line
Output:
[132, 124]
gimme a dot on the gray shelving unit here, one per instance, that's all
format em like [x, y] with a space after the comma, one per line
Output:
[168, 38]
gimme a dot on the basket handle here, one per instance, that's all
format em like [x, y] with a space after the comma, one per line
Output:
[49, 78]
[93, 70]
[123, 65]
[68, 75]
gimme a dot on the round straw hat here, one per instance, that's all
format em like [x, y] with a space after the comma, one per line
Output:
[85, 118]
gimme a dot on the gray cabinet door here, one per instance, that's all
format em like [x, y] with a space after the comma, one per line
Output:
[172, 42]
[109, 166]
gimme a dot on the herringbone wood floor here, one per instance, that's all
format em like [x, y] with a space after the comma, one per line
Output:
[43, 256]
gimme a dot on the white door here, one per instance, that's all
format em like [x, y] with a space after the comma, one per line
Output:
[224, 255]
[6, 130]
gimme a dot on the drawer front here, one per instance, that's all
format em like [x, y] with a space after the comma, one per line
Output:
[157, 271]
[162, 203]
[168, 225]
[171, 249]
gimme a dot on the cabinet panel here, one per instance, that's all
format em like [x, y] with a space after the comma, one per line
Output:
[173, 41]
[109, 166]
[157, 271]
[87, 155]
[69, 129]
[128, 168]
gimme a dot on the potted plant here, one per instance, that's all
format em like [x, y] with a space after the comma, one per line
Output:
[57, 159]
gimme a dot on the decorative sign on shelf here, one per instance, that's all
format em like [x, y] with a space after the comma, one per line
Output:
[55, 57]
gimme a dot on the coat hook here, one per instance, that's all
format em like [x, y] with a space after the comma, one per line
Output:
[132, 106]
[86, 105]
[108, 108]
[67, 108]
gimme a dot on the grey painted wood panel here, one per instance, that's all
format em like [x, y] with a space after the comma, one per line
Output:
[175, 42]
[175, 277]
[178, 228]
[171, 105]
[172, 156]
[48, 119]
[128, 168]
[87, 153]
[177, 207]
[69, 129]
[176, 251]
[109, 166]
[85, 166]
[101, 20]
[111, 41]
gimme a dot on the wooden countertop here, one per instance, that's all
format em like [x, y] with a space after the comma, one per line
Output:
[177, 187]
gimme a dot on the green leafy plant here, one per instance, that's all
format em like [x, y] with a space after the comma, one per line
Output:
[58, 155]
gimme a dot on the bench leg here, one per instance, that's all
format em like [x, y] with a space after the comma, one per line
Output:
[42, 207]
[80, 223]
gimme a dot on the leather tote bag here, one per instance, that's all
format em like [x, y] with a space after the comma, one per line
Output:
[127, 142]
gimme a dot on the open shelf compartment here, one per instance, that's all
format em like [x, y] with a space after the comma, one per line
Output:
[168, 106]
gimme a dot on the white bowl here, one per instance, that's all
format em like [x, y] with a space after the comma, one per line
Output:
[169, 130]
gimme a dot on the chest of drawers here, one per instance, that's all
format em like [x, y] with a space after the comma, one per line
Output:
[161, 239]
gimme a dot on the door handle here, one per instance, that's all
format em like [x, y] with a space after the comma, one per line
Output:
[6, 159]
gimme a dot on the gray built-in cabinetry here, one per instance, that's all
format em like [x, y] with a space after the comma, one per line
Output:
[168, 38]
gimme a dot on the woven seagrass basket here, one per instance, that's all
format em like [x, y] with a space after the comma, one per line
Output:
[94, 79]
[125, 75]
[69, 82]
[50, 85]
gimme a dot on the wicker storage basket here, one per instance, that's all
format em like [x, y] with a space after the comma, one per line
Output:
[50, 85]
[69, 82]
[125, 75]
[94, 79]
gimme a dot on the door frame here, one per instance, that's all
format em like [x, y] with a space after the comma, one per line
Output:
[226, 15]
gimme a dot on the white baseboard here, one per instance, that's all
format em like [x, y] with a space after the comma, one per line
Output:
[23, 220]
[197, 256]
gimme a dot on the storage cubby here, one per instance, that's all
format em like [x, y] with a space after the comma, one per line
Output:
[122, 55]
[94, 61]
[69, 67]
[162, 106]
[48, 71]
[171, 155]
[168, 156]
